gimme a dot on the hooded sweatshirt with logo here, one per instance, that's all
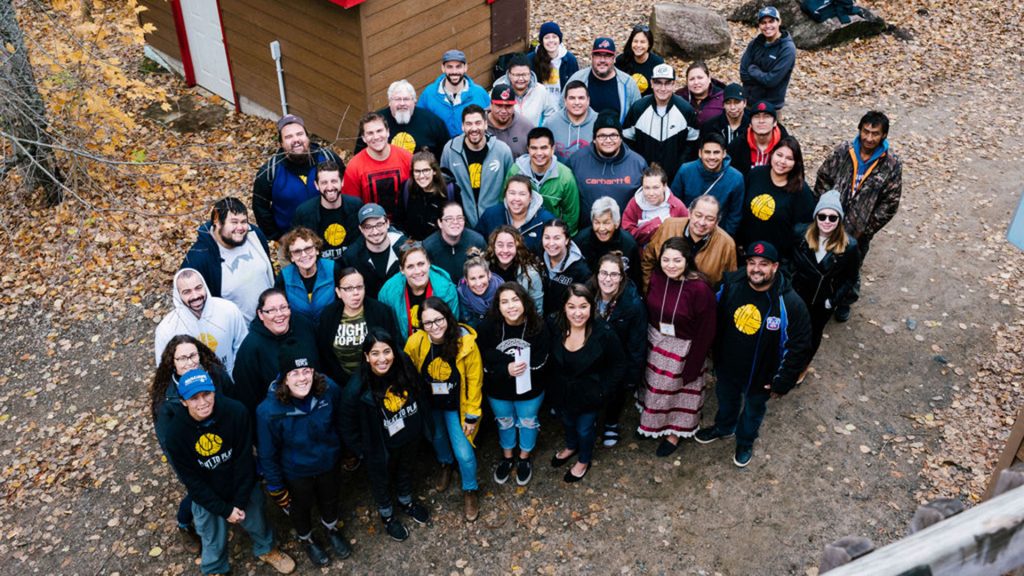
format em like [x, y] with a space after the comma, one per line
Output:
[557, 186]
[220, 326]
[617, 176]
[492, 175]
[570, 137]
[571, 270]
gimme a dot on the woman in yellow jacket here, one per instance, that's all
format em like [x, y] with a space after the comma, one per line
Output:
[446, 355]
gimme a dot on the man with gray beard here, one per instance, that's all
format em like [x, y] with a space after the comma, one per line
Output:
[410, 127]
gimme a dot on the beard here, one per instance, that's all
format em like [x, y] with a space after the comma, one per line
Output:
[764, 282]
[298, 156]
[229, 241]
[403, 116]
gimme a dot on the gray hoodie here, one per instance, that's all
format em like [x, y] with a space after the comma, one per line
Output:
[537, 105]
[571, 137]
[492, 175]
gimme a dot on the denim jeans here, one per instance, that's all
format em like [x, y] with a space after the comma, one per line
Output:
[448, 436]
[213, 530]
[739, 412]
[521, 415]
[580, 433]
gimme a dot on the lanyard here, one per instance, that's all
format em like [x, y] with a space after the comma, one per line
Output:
[664, 295]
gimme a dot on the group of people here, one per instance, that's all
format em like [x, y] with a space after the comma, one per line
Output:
[578, 240]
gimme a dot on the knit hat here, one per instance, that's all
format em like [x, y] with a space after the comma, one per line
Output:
[502, 94]
[549, 28]
[603, 45]
[294, 355]
[289, 119]
[193, 382]
[607, 119]
[763, 249]
[830, 201]
[733, 91]
[764, 107]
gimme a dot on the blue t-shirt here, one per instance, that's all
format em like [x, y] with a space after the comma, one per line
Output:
[604, 95]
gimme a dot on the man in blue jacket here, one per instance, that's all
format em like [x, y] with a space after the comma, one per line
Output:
[712, 174]
[762, 344]
[767, 63]
[452, 91]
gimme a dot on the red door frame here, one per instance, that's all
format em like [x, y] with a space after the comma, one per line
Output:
[186, 53]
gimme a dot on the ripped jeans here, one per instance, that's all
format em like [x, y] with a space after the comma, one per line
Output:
[517, 414]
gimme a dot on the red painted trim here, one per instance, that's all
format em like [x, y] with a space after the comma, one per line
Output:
[186, 54]
[347, 3]
[227, 55]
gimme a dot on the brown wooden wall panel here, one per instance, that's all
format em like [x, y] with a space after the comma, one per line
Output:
[314, 23]
[165, 38]
[408, 18]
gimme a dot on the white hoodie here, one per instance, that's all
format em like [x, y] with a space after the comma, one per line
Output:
[221, 325]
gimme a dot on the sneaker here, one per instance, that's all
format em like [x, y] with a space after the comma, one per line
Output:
[524, 471]
[416, 511]
[743, 456]
[395, 529]
[316, 554]
[279, 561]
[842, 313]
[504, 470]
[189, 539]
[709, 435]
[342, 549]
[610, 435]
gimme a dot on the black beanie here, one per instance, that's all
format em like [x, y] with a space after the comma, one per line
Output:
[293, 355]
[607, 119]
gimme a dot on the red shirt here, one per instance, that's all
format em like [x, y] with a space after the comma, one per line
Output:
[378, 181]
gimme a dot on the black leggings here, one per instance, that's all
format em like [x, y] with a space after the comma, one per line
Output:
[379, 467]
[321, 490]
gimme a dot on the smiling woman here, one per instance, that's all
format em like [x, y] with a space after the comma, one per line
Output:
[308, 281]
[418, 280]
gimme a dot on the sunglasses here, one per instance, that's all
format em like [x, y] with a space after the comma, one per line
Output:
[641, 28]
[829, 217]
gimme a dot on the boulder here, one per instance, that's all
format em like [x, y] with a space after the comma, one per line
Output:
[808, 34]
[689, 32]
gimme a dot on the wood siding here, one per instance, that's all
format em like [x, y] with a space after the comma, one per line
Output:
[321, 55]
[411, 35]
[165, 38]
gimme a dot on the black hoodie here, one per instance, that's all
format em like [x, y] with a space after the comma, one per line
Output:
[256, 364]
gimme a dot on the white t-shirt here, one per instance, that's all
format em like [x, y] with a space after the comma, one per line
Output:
[245, 273]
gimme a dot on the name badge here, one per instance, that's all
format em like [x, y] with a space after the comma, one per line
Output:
[395, 426]
[668, 329]
[439, 387]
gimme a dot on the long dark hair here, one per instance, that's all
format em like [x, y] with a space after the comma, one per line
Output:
[615, 257]
[401, 378]
[532, 319]
[164, 376]
[524, 258]
[284, 395]
[542, 63]
[437, 185]
[452, 331]
[627, 50]
[580, 290]
[795, 178]
[681, 245]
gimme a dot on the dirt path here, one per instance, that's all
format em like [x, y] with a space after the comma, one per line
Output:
[85, 491]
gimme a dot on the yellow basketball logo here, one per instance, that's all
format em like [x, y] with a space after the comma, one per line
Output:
[393, 402]
[641, 82]
[208, 444]
[335, 234]
[747, 319]
[209, 340]
[474, 175]
[439, 370]
[763, 207]
[404, 140]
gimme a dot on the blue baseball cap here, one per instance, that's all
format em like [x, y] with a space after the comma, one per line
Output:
[769, 12]
[193, 382]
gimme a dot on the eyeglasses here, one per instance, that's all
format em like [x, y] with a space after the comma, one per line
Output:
[436, 323]
[349, 289]
[374, 227]
[520, 76]
[453, 219]
[423, 171]
[609, 275]
[303, 251]
[188, 358]
[276, 311]
[607, 137]
[829, 217]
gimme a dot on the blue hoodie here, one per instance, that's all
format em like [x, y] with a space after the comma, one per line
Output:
[693, 179]
[434, 99]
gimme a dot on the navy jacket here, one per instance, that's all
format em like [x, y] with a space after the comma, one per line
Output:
[765, 69]
[204, 256]
[256, 364]
[628, 319]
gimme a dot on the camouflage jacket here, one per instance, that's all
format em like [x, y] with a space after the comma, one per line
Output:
[875, 201]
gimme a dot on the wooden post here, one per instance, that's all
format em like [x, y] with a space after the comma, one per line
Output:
[987, 539]
[1012, 453]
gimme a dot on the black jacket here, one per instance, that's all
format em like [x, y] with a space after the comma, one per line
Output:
[497, 342]
[783, 342]
[376, 314]
[213, 458]
[621, 240]
[204, 256]
[358, 257]
[831, 279]
[362, 422]
[308, 215]
[628, 319]
[584, 386]
[257, 365]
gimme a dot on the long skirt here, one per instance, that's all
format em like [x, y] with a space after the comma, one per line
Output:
[667, 404]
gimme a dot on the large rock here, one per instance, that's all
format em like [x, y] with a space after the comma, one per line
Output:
[808, 34]
[690, 32]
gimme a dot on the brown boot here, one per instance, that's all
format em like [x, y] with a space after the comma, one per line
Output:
[472, 502]
[190, 540]
[280, 561]
[445, 478]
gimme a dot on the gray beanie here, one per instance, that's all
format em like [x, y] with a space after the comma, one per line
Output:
[830, 200]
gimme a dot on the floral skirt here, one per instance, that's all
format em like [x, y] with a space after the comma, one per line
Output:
[667, 404]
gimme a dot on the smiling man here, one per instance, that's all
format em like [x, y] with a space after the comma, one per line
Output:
[662, 126]
[711, 248]
[375, 255]
[213, 321]
[286, 179]
[232, 256]
[452, 92]
[767, 63]
[610, 88]
[448, 245]
[712, 174]
[553, 180]
[332, 215]
[410, 127]
[378, 173]
[478, 162]
[504, 123]
[607, 167]
[573, 126]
